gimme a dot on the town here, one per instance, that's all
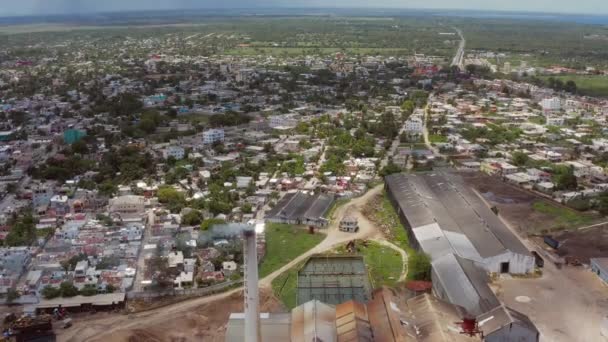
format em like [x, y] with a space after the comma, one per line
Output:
[382, 197]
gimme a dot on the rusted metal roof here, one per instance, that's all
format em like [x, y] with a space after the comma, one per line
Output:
[352, 322]
[313, 321]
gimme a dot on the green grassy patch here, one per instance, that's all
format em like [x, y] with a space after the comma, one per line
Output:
[436, 138]
[563, 217]
[285, 286]
[592, 85]
[283, 244]
[384, 264]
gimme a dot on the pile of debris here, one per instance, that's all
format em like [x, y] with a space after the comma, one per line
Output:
[374, 211]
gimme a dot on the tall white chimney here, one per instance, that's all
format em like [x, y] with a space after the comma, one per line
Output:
[252, 298]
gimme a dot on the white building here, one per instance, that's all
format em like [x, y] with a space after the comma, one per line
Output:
[176, 152]
[129, 204]
[414, 125]
[286, 120]
[213, 135]
[555, 121]
[553, 104]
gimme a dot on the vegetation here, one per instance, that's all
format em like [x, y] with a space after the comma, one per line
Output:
[563, 217]
[283, 244]
[285, 286]
[418, 266]
[383, 263]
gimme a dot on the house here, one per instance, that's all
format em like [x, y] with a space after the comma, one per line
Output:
[175, 259]
[349, 224]
[59, 204]
[184, 279]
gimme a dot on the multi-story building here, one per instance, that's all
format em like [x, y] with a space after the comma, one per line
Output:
[414, 125]
[553, 104]
[176, 152]
[213, 135]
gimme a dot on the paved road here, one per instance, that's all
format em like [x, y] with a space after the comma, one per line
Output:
[459, 57]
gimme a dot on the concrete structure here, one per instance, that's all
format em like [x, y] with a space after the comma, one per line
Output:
[349, 224]
[414, 125]
[213, 135]
[599, 266]
[551, 104]
[176, 152]
[251, 292]
[129, 204]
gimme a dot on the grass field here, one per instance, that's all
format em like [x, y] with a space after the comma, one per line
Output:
[436, 138]
[383, 263]
[283, 244]
[566, 218]
[587, 84]
[384, 266]
[285, 286]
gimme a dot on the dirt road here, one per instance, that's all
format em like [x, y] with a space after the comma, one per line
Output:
[106, 327]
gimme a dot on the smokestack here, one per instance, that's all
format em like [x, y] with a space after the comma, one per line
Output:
[252, 298]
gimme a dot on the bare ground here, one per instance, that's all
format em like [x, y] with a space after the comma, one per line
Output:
[513, 204]
[206, 322]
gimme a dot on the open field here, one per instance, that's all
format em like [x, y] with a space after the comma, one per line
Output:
[563, 217]
[283, 244]
[586, 84]
[527, 213]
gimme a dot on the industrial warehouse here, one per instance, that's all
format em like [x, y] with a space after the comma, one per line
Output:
[301, 208]
[466, 241]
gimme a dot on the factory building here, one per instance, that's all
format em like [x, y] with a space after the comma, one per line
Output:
[466, 241]
[443, 216]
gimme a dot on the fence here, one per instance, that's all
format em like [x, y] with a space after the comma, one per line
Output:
[198, 292]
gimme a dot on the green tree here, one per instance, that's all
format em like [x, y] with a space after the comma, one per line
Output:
[50, 292]
[192, 218]
[519, 158]
[68, 289]
[210, 223]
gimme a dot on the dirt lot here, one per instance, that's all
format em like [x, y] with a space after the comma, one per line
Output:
[206, 322]
[521, 208]
[584, 244]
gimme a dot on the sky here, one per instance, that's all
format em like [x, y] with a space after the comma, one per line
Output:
[41, 7]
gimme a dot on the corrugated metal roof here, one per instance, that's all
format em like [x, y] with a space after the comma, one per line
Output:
[501, 316]
[352, 322]
[313, 321]
[384, 317]
[432, 320]
[442, 198]
[465, 284]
